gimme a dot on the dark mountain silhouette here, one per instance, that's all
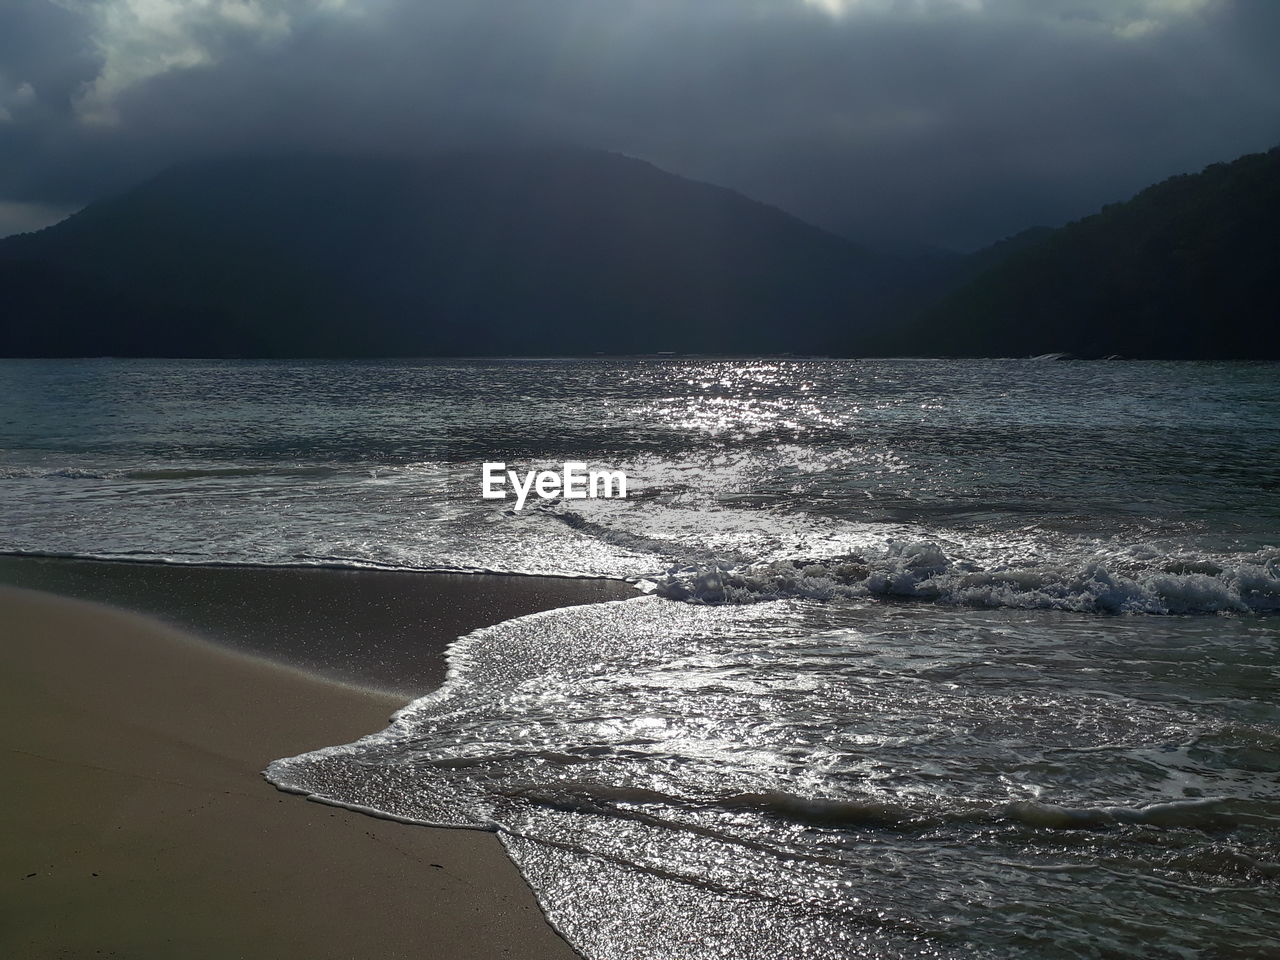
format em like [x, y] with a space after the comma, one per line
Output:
[560, 251]
[1187, 269]
[1002, 250]
[526, 252]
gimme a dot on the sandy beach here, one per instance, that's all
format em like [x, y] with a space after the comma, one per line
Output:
[137, 823]
[384, 629]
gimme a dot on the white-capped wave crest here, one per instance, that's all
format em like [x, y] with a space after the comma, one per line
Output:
[922, 570]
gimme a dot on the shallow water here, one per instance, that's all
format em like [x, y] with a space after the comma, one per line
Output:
[799, 779]
[940, 658]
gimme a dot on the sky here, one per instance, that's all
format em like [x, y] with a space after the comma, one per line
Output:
[900, 123]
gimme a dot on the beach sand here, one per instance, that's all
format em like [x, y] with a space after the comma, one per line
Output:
[136, 822]
[386, 629]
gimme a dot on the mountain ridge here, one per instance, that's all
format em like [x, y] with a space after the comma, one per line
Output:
[568, 251]
[1187, 268]
[544, 251]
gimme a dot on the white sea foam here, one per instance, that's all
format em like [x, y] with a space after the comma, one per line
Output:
[921, 570]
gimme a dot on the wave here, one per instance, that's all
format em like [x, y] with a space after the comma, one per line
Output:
[1204, 813]
[726, 556]
[921, 570]
[1201, 813]
[59, 473]
[915, 571]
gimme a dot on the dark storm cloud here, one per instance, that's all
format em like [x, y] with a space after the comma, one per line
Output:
[945, 121]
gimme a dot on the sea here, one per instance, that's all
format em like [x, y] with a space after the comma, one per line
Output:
[974, 658]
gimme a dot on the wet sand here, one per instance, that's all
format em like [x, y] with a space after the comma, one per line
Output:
[137, 823]
[379, 628]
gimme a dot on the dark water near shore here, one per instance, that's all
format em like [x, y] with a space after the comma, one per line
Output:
[939, 659]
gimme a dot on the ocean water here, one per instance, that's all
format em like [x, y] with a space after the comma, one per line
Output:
[926, 658]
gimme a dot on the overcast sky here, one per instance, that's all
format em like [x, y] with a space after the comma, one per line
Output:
[944, 122]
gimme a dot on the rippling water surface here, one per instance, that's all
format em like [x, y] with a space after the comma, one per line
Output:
[938, 658]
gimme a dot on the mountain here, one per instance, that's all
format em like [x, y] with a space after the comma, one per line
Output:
[547, 251]
[1002, 250]
[576, 252]
[1187, 269]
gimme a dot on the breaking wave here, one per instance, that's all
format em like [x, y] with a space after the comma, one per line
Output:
[921, 570]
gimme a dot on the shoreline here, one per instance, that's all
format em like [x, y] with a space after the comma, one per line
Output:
[138, 822]
[383, 629]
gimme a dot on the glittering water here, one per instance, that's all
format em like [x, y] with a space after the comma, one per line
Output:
[940, 658]
[791, 780]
